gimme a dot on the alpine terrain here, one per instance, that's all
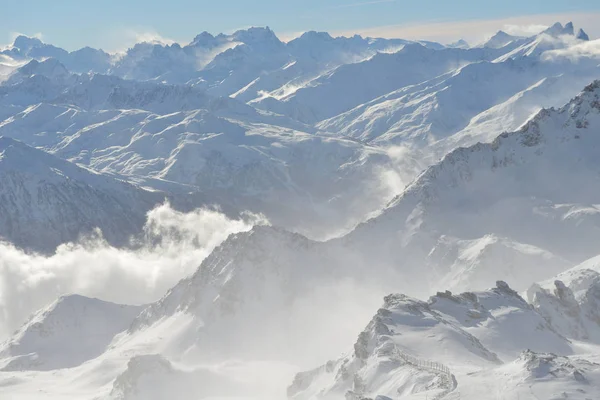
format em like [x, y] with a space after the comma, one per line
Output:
[317, 218]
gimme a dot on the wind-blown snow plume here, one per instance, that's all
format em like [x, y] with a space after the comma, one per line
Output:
[174, 245]
[576, 52]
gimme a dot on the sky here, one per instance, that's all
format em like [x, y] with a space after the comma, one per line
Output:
[114, 24]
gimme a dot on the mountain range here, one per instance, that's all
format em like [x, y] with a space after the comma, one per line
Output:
[386, 168]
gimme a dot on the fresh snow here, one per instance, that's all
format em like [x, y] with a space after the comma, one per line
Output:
[370, 166]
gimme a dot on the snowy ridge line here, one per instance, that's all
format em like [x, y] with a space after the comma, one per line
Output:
[431, 366]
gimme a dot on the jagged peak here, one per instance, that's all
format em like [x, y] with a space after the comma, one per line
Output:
[500, 39]
[559, 30]
[410, 48]
[581, 35]
[569, 29]
[500, 34]
[34, 66]
[23, 42]
[203, 39]
[317, 35]
[256, 35]
[203, 36]
[554, 30]
[314, 35]
[461, 43]
[529, 135]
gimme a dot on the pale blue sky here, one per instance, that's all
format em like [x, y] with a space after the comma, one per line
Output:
[112, 24]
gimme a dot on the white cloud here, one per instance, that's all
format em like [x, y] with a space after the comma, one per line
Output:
[576, 52]
[174, 245]
[477, 30]
[149, 36]
[122, 39]
[524, 30]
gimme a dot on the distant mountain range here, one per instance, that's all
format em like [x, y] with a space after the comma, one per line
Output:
[383, 166]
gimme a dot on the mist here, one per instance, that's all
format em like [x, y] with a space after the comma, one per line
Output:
[172, 246]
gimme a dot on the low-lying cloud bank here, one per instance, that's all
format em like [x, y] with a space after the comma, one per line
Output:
[173, 246]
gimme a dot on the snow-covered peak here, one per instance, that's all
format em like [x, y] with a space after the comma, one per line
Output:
[570, 129]
[571, 300]
[50, 68]
[235, 274]
[26, 43]
[19, 158]
[559, 30]
[544, 365]
[539, 177]
[556, 29]
[393, 357]
[475, 264]
[412, 347]
[259, 37]
[500, 39]
[203, 39]
[459, 44]
[312, 36]
[27, 48]
[569, 29]
[501, 312]
[581, 35]
[540, 375]
[65, 334]
[47, 201]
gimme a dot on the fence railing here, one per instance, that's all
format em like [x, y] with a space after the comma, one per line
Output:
[424, 364]
[431, 366]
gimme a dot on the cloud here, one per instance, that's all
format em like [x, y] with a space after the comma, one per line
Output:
[149, 37]
[173, 247]
[585, 50]
[122, 39]
[478, 30]
[524, 30]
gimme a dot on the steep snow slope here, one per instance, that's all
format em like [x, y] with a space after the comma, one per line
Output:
[50, 82]
[555, 37]
[501, 39]
[264, 275]
[247, 62]
[153, 377]
[421, 348]
[471, 104]
[527, 186]
[46, 201]
[67, 333]
[469, 264]
[313, 54]
[551, 91]
[502, 321]
[353, 84]
[535, 376]
[231, 153]
[571, 300]
[435, 109]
